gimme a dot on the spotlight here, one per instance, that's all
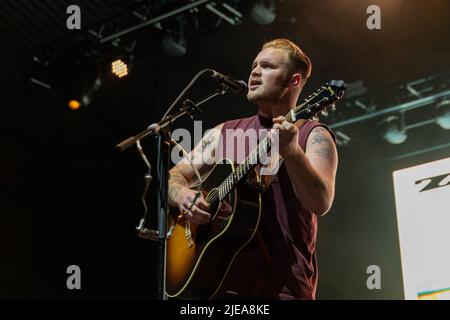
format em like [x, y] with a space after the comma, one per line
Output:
[393, 129]
[74, 104]
[121, 59]
[443, 117]
[263, 12]
[77, 78]
[119, 68]
[86, 95]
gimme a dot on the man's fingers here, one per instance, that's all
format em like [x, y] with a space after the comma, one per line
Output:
[203, 213]
[194, 216]
[200, 215]
[289, 127]
[277, 126]
[225, 206]
[279, 119]
[187, 204]
[285, 126]
[202, 204]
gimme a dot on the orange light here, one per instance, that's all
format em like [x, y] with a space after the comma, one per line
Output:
[74, 104]
[119, 68]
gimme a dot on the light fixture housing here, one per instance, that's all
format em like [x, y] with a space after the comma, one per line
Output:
[443, 114]
[263, 12]
[393, 129]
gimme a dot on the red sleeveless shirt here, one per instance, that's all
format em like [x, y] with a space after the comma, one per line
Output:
[280, 262]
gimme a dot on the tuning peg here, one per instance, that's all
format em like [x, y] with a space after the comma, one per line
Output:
[333, 107]
[324, 112]
[315, 118]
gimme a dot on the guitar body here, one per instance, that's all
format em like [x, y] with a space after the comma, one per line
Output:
[200, 256]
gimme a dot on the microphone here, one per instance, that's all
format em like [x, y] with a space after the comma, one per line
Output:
[237, 86]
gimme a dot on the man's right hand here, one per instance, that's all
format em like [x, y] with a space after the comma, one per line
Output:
[193, 208]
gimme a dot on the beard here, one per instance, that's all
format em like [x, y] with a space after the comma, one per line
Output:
[262, 95]
[271, 93]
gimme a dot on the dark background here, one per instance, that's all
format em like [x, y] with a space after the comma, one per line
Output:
[67, 197]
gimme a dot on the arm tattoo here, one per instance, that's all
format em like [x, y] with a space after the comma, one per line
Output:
[204, 145]
[176, 183]
[323, 153]
[177, 179]
[319, 138]
[207, 142]
[175, 193]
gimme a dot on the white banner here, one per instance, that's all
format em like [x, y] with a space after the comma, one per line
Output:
[422, 196]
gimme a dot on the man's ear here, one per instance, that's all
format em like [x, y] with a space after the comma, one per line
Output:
[296, 79]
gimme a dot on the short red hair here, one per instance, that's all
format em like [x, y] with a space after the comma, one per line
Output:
[300, 61]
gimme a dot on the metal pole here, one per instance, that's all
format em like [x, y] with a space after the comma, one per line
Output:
[163, 166]
[401, 107]
[154, 20]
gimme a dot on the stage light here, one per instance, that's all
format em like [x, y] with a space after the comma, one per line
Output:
[119, 68]
[88, 93]
[443, 117]
[77, 79]
[263, 12]
[74, 104]
[395, 136]
[393, 129]
[122, 58]
[86, 96]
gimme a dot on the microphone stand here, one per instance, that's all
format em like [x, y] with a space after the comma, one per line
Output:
[162, 131]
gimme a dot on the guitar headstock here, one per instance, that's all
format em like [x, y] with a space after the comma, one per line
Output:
[321, 101]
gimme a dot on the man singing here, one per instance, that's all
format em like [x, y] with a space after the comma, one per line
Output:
[280, 262]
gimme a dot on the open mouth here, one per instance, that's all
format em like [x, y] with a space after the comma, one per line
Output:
[254, 84]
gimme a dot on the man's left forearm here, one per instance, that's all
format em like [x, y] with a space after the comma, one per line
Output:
[310, 188]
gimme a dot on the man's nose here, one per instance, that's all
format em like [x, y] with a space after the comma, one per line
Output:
[256, 72]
